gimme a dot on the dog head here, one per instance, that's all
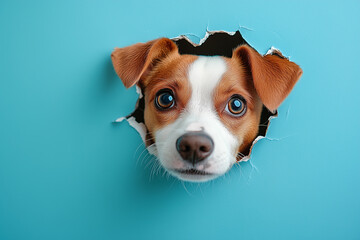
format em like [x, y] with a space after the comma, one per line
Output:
[202, 112]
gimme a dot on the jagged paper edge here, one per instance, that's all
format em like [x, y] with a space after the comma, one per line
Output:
[140, 126]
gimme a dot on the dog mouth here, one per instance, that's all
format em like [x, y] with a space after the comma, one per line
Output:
[193, 172]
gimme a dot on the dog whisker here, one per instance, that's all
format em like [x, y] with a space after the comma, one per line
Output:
[194, 127]
[138, 148]
[183, 184]
[144, 151]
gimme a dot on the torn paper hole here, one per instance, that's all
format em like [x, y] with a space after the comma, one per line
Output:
[215, 43]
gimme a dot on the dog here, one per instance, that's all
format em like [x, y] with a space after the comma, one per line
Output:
[202, 111]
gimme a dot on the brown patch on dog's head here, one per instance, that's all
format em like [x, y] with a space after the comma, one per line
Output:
[155, 65]
[171, 73]
[237, 81]
[259, 80]
[273, 76]
[134, 62]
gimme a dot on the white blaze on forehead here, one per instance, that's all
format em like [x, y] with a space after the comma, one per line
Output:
[195, 126]
[204, 75]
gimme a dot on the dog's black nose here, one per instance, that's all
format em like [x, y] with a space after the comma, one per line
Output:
[194, 147]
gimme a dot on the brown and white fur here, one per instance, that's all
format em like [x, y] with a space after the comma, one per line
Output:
[202, 87]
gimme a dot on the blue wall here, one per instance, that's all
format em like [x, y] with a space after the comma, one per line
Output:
[67, 172]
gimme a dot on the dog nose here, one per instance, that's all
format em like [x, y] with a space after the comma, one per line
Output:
[194, 147]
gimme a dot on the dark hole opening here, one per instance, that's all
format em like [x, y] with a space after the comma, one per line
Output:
[217, 44]
[221, 44]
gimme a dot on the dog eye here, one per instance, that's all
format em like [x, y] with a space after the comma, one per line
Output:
[164, 99]
[236, 106]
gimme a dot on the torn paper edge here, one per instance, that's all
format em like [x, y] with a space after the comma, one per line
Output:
[141, 128]
[258, 138]
[207, 35]
[272, 50]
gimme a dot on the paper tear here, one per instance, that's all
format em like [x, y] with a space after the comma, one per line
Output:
[120, 119]
[272, 50]
[138, 91]
[204, 39]
[246, 28]
[277, 52]
[234, 39]
[287, 113]
[209, 33]
[139, 127]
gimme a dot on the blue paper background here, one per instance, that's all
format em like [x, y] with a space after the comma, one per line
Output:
[66, 172]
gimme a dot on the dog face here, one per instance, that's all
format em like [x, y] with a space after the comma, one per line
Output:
[202, 112]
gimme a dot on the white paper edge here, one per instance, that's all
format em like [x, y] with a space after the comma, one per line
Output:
[140, 127]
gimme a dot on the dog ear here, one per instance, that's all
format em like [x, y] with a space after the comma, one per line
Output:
[133, 62]
[273, 75]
